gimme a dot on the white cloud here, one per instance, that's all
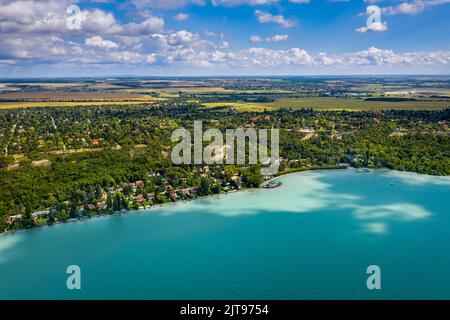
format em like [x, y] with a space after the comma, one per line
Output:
[224, 45]
[182, 37]
[32, 16]
[181, 16]
[151, 58]
[376, 27]
[210, 33]
[26, 25]
[300, 1]
[324, 59]
[126, 56]
[166, 4]
[412, 7]
[6, 62]
[98, 41]
[232, 3]
[97, 22]
[150, 26]
[275, 38]
[265, 17]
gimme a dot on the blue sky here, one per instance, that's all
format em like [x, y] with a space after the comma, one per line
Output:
[222, 37]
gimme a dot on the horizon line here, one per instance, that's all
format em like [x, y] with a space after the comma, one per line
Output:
[230, 76]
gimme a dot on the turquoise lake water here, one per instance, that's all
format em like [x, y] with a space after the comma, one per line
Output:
[311, 238]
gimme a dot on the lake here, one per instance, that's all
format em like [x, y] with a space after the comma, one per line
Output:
[311, 238]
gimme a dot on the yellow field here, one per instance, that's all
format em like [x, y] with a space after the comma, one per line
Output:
[45, 96]
[13, 105]
[50, 84]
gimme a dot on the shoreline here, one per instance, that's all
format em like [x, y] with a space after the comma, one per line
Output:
[181, 202]
[157, 206]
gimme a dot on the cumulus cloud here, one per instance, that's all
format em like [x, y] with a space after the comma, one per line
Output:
[376, 27]
[98, 41]
[36, 34]
[150, 26]
[275, 38]
[265, 17]
[32, 16]
[412, 7]
[224, 45]
[97, 21]
[165, 4]
[232, 3]
[151, 58]
[181, 16]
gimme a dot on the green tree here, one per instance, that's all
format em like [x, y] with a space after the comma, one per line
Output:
[204, 187]
[62, 215]
[109, 202]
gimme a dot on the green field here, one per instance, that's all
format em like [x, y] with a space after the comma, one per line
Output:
[320, 103]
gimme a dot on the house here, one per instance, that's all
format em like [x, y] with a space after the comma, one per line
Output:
[139, 183]
[185, 191]
[139, 198]
[173, 195]
[40, 214]
[235, 177]
[14, 218]
[308, 133]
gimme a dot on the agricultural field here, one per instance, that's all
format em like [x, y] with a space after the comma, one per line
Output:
[14, 105]
[241, 94]
[324, 103]
[45, 96]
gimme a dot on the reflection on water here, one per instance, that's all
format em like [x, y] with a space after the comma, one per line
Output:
[308, 192]
[311, 238]
[7, 245]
